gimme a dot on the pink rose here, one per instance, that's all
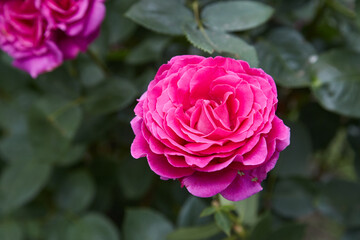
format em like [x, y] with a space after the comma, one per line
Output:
[78, 20]
[211, 124]
[24, 35]
[41, 34]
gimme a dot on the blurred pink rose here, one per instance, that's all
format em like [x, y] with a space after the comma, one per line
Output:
[41, 34]
[211, 124]
[78, 20]
[25, 36]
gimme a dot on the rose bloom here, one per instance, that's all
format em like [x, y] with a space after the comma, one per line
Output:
[41, 34]
[211, 124]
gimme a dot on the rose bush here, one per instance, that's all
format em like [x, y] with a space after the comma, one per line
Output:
[211, 124]
[40, 35]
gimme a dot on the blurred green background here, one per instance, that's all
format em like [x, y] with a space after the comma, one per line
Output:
[65, 167]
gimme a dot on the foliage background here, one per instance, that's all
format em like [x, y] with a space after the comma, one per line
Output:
[65, 168]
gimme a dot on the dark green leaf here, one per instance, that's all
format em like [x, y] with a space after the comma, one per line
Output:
[291, 200]
[93, 226]
[235, 15]
[286, 56]
[337, 83]
[189, 214]
[194, 233]
[222, 43]
[160, 15]
[294, 160]
[76, 192]
[114, 95]
[262, 228]
[290, 231]
[145, 224]
[20, 182]
[135, 178]
[10, 230]
[147, 51]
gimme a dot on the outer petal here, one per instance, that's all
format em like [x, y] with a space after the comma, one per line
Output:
[242, 187]
[208, 184]
[37, 64]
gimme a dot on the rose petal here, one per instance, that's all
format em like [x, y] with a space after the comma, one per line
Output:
[208, 184]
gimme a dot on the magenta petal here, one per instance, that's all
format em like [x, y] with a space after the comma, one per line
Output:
[257, 155]
[209, 183]
[242, 187]
[37, 64]
[139, 147]
[160, 165]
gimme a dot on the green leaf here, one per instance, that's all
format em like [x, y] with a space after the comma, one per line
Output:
[195, 233]
[93, 226]
[135, 178]
[294, 160]
[223, 43]
[20, 182]
[291, 231]
[223, 222]
[247, 209]
[116, 20]
[90, 73]
[10, 230]
[291, 200]
[112, 96]
[162, 16]
[262, 228]
[76, 192]
[286, 56]
[208, 211]
[189, 214]
[235, 15]
[61, 114]
[337, 82]
[147, 51]
[146, 224]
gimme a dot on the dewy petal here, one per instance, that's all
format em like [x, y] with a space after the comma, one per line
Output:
[208, 184]
[242, 187]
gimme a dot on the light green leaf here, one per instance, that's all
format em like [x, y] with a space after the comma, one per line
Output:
[10, 230]
[195, 233]
[337, 82]
[145, 224]
[222, 43]
[247, 209]
[20, 182]
[208, 211]
[287, 57]
[235, 15]
[76, 192]
[223, 222]
[162, 16]
[93, 226]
